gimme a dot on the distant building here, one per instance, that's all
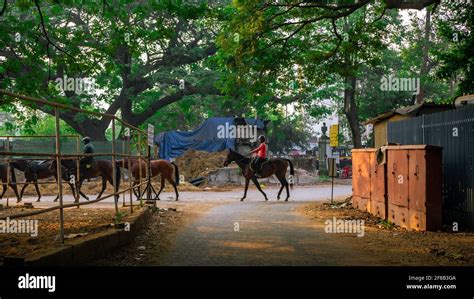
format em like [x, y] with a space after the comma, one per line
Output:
[380, 122]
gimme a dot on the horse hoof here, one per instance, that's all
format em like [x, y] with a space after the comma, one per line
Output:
[286, 199]
[87, 198]
[266, 199]
[176, 199]
[38, 200]
[241, 199]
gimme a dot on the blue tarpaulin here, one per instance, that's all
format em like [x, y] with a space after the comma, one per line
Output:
[204, 138]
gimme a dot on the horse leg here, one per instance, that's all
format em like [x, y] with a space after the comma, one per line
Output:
[282, 186]
[161, 187]
[136, 191]
[72, 190]
[4, 190]
[104, 185]
[287, 189]
[174, 186]
[21, 192]
[255, 181]
[79, 186]
[37, 191]
[247, 180]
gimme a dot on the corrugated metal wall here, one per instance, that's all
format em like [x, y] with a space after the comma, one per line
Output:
[454, 131]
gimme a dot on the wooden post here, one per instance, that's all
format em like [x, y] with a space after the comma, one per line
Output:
[78, 167]
[59, 174]
[8, 171]
[114, 168]
[130, 174]
[140, 166]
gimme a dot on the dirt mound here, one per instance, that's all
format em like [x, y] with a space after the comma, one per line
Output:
[193, 164]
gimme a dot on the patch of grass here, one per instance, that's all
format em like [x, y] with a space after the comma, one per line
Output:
[324, 178]
[386, 224]
[119, 216]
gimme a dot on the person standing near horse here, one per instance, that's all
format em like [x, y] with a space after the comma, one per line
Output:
[260, 156]
[87, 161]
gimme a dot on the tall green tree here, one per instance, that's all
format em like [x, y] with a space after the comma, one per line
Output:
[142, 55]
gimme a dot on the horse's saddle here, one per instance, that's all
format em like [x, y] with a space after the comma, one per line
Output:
[253, 165]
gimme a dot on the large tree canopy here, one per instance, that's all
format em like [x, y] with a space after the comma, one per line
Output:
[142, 55]
[326, 46]
[175, 62]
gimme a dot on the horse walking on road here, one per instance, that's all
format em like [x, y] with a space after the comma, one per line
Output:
[99, 168]
[274, 166]
[164, 168]
[35, 170]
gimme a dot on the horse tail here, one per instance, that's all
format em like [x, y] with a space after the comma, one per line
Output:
[176, 173]
[292, 171]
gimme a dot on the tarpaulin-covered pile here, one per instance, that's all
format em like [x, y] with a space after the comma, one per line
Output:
[205, 137]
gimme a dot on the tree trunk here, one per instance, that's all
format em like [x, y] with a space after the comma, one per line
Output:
[425, 63]
[350, 110]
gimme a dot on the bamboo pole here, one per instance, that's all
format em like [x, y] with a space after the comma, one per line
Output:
[114, 167]
[59, 174]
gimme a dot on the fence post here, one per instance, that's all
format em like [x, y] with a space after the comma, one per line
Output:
[59, 174]
[130, 173]
[8, 170]
[140, 167]
[78, 172]
[114, 168]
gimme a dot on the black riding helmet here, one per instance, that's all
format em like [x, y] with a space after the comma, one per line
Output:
[262, 138]
[86, 140]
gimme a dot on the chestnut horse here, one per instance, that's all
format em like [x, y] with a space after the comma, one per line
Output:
[4, 178]
[164, 168]
[99, 168]
[274, 166]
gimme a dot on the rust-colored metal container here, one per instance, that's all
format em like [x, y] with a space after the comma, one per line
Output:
[378, 209]
[422, 221]
[414, 174]
[397, 176]
[361, 203]
[361, 159]
[378, 175]
[425, 183]
[399, 215]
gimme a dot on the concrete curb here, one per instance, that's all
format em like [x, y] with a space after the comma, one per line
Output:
[79, 252]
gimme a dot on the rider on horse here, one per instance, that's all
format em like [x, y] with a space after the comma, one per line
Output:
[261, 156]
[87, 161]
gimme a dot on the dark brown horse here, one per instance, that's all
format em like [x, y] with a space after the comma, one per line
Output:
[99, 168]
[163, 168]
[4, 178]
[35, 170]
[274, 166]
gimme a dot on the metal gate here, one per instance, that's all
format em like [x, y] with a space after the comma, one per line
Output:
[454, 131]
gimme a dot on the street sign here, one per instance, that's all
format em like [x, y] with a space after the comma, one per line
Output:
[332, 173]
[151, 134]
[332, 169]
[334, 135]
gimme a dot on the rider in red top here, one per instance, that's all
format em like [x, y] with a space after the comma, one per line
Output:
[261, 155]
